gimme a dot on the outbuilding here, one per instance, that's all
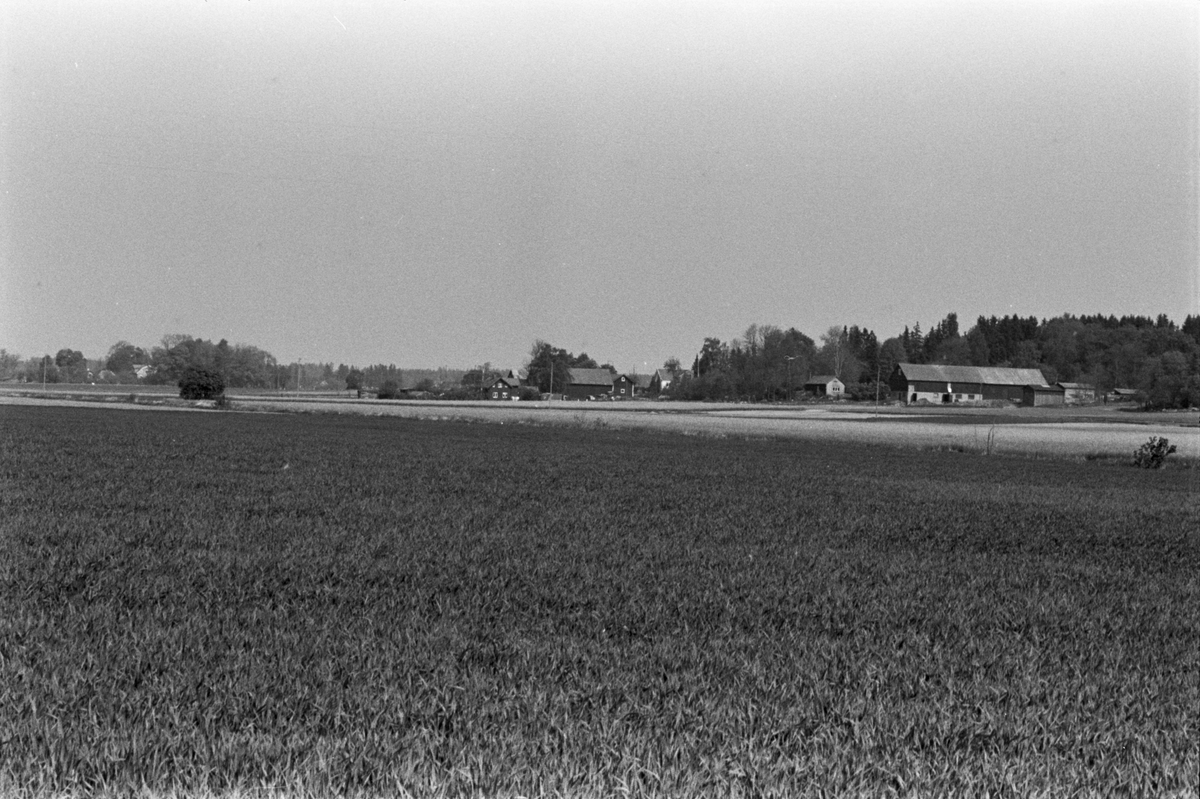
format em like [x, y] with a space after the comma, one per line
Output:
[825, 386]
[588, 384]
[1037, 396]
[1078, 393]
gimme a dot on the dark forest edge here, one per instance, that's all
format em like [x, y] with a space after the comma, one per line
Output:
[1155, 357]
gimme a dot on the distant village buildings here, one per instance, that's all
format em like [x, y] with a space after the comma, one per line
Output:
[909, 383]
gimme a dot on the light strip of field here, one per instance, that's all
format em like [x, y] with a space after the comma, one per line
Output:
[1069, 439]
[1052, 440]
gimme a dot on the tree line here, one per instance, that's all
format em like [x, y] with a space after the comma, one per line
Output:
[238, 366]
[1155, 356]
[1152, 355]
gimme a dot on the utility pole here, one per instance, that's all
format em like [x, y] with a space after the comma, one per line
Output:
[878, 366]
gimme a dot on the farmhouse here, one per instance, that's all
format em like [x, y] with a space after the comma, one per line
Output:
[913, 382]
[1078, 393]
[504, 388]
[623, 387]
[589, 384]
[825, 386]
[662, 379]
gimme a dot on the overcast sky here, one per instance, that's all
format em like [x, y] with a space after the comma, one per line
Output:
[434, 183]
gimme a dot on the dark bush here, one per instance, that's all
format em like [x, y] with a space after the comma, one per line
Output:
[1153, 453]
[530, 394]
[389, 390]
[201, 384]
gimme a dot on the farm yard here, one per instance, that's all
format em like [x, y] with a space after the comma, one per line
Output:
[336, 604]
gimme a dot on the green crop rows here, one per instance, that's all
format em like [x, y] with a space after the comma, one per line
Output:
[308, 605]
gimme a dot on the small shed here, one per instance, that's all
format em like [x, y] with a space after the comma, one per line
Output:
[1078, 393]
[825, 386]
[1037, 396]
[1121, 395]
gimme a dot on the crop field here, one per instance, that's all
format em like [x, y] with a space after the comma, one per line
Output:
[341, 605]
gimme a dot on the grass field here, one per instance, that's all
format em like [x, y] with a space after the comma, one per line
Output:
[331, 605]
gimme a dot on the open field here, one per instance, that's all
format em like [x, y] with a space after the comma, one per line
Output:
[338, 605]
[1075, 433]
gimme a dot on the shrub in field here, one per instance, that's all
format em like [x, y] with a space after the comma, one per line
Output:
[530, 394]
[389, 390]
[201, 384]
[1153, 453]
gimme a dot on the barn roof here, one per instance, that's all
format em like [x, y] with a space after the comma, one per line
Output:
[1077, 385]
[990, 375]
[643, 381]
[591, 377]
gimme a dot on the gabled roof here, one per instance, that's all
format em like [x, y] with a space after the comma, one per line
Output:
[664, 375]
[643, 381]
[1087, 386]
[591, 377]
[822, 379]
[511, 382]
[990, 375]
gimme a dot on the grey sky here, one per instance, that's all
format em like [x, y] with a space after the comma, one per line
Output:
[439, 183]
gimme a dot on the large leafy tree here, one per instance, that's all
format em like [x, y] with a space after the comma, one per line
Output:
[72, 365]
[549, 367]
[123, 356]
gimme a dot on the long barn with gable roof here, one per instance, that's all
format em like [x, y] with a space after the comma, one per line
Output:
[941, 383]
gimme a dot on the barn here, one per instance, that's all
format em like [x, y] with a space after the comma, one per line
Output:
[942, 383]
[589, 384]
